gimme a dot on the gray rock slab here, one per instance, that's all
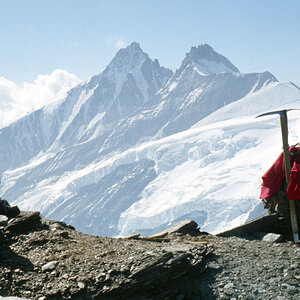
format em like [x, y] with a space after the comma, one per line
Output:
[272, 237]
[184, 227]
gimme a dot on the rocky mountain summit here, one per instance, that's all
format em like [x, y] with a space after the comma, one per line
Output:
[207, 61]
[47, 259]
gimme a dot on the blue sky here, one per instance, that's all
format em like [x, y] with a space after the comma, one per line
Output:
[82, 36]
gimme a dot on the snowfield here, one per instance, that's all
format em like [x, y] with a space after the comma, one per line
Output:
[213, 173]
[117, 160]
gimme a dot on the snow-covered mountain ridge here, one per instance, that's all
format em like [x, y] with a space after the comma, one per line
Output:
[137, 148]
[207, 61]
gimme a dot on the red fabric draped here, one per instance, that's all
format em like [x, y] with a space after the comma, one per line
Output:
[275, 176]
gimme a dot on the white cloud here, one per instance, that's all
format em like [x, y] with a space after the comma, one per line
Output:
[117, 42]
[120, 44]
[16, 101]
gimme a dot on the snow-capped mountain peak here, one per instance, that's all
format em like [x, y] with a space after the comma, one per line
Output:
[130, 151]
[207, 61]
[128, 58]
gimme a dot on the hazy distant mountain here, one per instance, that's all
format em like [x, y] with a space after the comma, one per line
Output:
[207, 61]
[137, 147]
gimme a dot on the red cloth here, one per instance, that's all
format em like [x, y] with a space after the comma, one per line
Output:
[293, 190]
[275, 176]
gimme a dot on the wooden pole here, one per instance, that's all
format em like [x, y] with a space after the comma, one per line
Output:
[287, 166]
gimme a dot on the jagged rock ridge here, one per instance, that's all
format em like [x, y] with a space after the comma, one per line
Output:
[207, 61]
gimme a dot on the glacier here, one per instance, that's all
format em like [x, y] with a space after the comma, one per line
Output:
[138, 148]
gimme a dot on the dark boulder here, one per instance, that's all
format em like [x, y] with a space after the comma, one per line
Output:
[24, 222]
[7, 210]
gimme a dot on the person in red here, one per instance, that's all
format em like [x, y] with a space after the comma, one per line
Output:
[274, 191]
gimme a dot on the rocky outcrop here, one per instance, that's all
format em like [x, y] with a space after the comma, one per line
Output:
[45, 259]
[7, 210]
[257, 228]
[24, 222]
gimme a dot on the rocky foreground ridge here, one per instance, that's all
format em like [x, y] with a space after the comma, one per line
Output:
[46, 259]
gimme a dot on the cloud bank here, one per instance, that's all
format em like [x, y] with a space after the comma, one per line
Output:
[16, 101]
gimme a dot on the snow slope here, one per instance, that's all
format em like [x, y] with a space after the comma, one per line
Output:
[137, 148]
[212, 173]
